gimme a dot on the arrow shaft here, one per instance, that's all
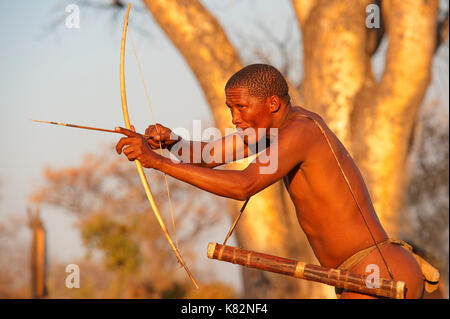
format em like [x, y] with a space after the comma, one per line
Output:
[82, 127]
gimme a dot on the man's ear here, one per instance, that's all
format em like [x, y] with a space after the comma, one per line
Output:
[274, 103]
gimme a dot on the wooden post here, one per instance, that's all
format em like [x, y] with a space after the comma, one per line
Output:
[329, 276]
[38, 260]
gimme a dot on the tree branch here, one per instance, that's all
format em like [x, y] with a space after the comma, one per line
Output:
[383, 118]
[442, 32]
[375, 35]
[204, 45]
[302, 10]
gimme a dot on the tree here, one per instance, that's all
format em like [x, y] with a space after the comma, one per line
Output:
[373, 118]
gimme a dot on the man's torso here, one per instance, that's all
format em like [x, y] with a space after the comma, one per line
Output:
[325, 207]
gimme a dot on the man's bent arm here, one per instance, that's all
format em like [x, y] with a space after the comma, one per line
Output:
[227, 149]
[286, 153]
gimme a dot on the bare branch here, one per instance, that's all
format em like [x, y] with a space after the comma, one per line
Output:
[114, 8]
[281, 51]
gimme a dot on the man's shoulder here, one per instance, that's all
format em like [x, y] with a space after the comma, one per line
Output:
[299, 112]
[305, 121]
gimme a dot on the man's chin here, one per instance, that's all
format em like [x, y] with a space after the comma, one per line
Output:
[249, 135]
[242, 131]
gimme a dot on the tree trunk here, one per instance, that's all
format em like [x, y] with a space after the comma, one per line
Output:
[383, 118]
[335, 59]
[373, 120]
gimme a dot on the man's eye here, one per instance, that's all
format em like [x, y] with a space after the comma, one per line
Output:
[240, 106]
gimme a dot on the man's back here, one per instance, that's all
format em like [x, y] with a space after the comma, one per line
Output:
[325, 207]
[333, 204]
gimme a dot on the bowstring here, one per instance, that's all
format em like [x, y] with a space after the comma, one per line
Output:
[235, 221]
[147, 95]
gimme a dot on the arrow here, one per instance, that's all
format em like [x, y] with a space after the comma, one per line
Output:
[82, 127]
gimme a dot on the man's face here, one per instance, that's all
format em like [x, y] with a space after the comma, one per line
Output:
[247, 111]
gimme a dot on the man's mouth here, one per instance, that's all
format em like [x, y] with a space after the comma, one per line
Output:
[241, 129]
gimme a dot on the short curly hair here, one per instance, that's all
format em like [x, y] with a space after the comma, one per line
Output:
[261, 80]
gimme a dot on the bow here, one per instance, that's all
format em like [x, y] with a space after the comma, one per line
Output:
[138, 164]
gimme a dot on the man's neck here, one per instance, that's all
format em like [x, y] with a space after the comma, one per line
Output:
[282, 116]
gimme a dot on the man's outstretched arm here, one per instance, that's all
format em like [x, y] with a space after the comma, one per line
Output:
[284, 154]
[224, 150]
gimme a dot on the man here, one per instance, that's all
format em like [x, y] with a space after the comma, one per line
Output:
[331, 199]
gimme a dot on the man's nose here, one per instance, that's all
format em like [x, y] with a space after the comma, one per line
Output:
[235, 119]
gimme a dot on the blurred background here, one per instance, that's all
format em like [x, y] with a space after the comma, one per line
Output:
[376, 71]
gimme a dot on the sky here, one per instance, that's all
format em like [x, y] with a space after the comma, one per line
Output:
[50, 72]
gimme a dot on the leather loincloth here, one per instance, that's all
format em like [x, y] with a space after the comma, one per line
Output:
[430, 273]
